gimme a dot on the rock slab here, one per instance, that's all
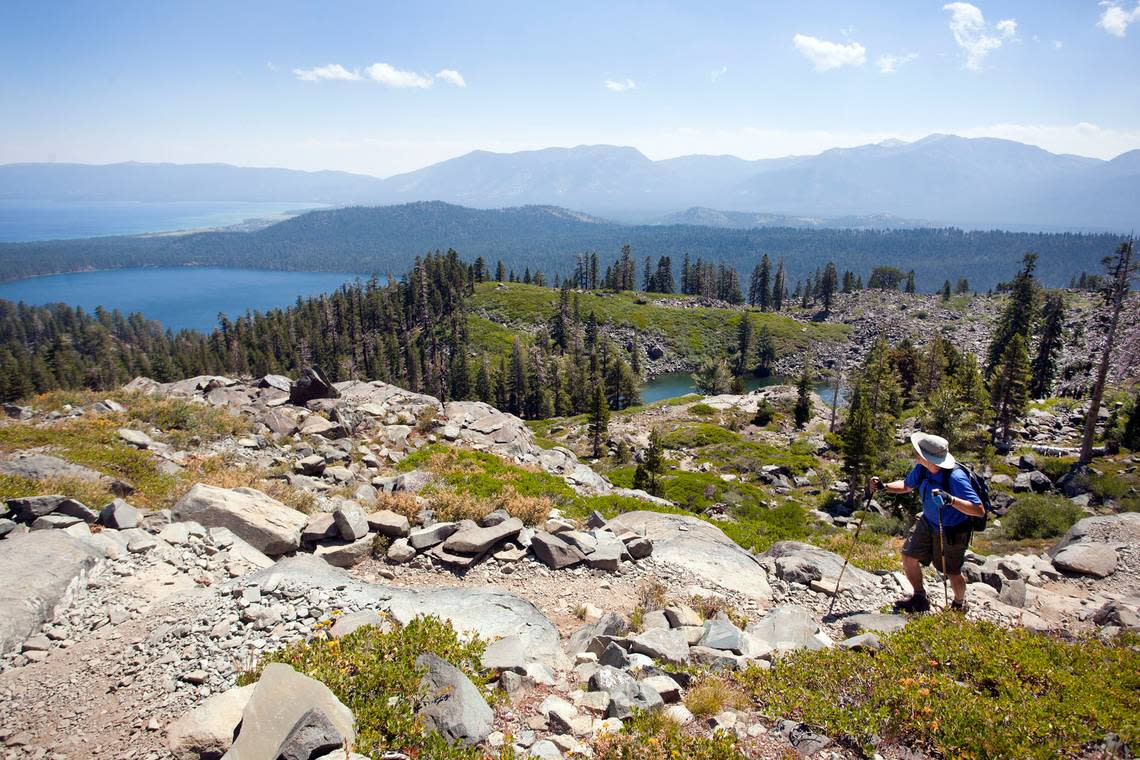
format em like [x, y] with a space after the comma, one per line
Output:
[454, 707]
[265, 523]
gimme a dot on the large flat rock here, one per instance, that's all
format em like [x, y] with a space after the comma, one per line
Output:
[1121, 528]
[489, 612]
[803, 563]
[265, 523]
[280, 699]
[701, 548]
[41, 571]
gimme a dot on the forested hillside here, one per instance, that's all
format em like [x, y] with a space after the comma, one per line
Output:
[385, 239]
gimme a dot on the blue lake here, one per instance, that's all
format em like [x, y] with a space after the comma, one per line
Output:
[23, 221]
[180, 298]
[674, 384]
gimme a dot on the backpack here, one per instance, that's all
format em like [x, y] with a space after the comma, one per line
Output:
[980, 485]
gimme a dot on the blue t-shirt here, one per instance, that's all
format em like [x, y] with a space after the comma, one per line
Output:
[955, 482]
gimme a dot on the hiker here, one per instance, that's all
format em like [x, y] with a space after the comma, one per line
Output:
[949, 502]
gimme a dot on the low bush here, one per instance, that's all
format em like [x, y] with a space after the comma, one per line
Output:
[702, 410]
[1040, 516]
[94, 442]
[653, 736]
[1055, 467]
[765, 412]
[712, 695]
[375, 675]
[961, 688]
[1109, 486]
[695, 436]
[758, 528]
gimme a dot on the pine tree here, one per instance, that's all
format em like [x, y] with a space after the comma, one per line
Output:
[516, 380]
[858, 435]
[599, 418]
[1131, 435]
[759, 287]
[779, 287]
[868, 431]
[828, 283]
[1120, 271]
[744, 340]
[946, 291]
[654, 465]
[500, 272]
[848, 281]
[963, 287]
[765, 352]
[1009, 386]
[803, 408]
[1048, 346]
[910, 281]
[712, 378]
[1019, 313]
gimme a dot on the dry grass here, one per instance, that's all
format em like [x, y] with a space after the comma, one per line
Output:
[653, 595]
[403, 503]
[93, 494]
[713, 694]
[708, 607]
[532, 510]
[451, 506]
[217, 472]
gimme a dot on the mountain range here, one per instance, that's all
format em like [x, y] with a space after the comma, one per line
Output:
[941, 179]
[367, 239]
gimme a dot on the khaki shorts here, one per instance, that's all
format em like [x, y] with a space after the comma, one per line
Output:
[922, 544]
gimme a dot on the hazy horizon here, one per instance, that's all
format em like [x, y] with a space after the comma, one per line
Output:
[382, 90]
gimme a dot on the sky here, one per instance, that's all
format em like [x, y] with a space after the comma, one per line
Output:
[385, 87]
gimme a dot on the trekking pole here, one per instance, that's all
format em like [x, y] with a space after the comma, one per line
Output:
[851, 548]
[942, 549]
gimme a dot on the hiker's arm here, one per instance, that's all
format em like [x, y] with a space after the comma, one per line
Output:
[895, 486]
[964, 505]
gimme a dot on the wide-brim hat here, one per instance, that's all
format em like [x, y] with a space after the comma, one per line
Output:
[934, 449]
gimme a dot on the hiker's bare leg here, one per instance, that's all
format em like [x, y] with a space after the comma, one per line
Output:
[958, 583]
[913, 572]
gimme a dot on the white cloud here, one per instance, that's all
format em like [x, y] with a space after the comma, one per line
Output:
[1008, 28]
[973, 35]
[383, 73]
[1115, 19]
[826, 55]
[718, 73]
[620, 85]
[889, 63]
[390, 76]
[331, 71]
[451, 76]
[1057, 44]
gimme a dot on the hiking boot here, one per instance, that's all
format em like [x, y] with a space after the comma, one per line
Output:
[959, 606]
[916, 603]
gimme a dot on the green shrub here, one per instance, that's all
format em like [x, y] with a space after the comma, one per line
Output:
[1055, 467]
[758, 528]
[367, 667]
[1109, 486]
[702, 410]
[764, 413]
[963, 689]
[695, 436]
[653, 736]
[1040, 516]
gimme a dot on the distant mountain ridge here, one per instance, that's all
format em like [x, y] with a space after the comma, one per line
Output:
[746, 220]
[967, 182]
[387, 239]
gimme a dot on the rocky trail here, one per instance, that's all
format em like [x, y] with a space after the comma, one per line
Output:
[123, 632]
